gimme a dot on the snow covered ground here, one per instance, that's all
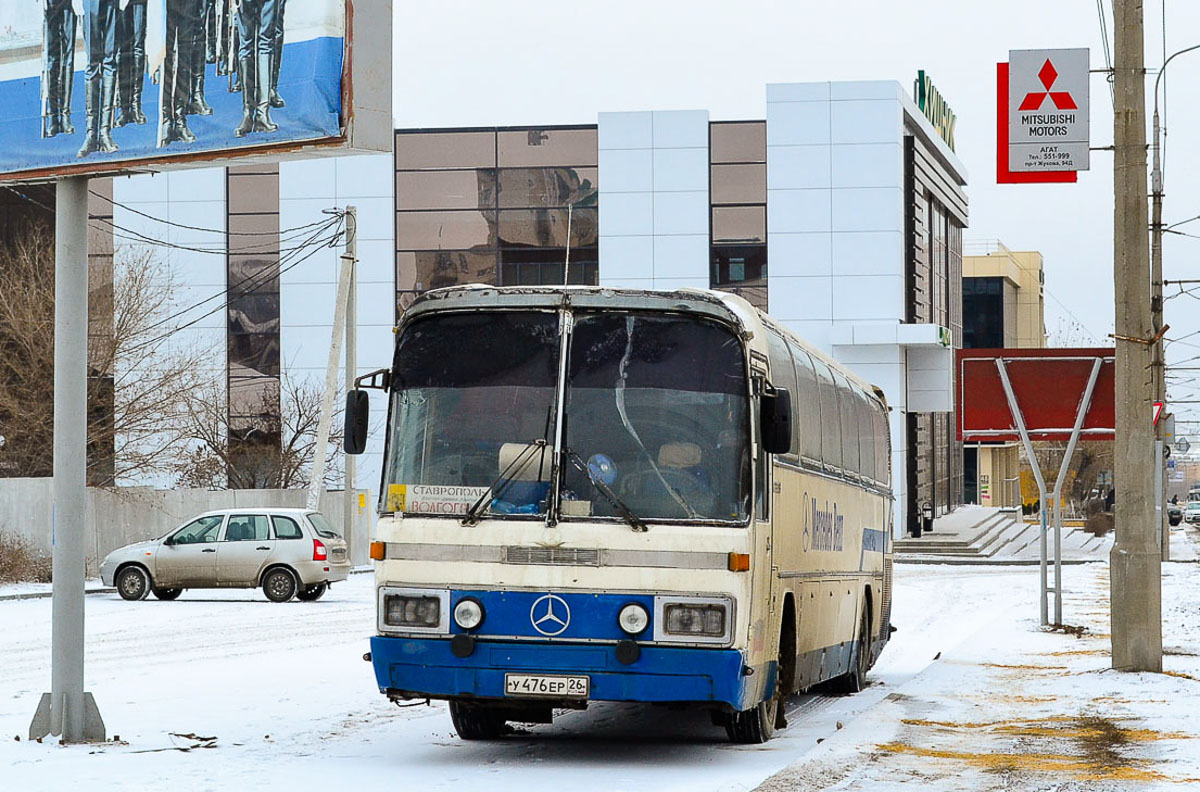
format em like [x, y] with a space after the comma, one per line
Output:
[227, 691]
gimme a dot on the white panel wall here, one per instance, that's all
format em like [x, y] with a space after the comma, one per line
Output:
[308, 290]
[835, 230]
[187, 198]
[654, 207]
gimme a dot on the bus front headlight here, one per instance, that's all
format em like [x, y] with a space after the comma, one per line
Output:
[695, 619]
[633, 618]
[403, 610]
[468, 614]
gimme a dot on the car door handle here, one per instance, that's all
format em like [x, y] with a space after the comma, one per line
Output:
[262, 548]
[209, 550]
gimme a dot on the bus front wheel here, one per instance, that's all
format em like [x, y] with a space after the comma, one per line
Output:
[755, 725]
[473, 722]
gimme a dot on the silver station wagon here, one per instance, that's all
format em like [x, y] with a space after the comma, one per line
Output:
[289, 552]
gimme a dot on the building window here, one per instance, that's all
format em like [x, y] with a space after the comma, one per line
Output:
[983, 313]
[738, 192]
[252, 326]
[495, 206]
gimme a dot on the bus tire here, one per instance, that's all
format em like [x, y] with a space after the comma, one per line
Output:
[856, 679]
[757, 724]
[473, 722]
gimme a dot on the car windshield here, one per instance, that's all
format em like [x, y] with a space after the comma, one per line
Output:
[322, 526]
[657, 405]
[473, 396]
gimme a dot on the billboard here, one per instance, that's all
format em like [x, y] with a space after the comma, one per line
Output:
[90, 86]
[1048, 384]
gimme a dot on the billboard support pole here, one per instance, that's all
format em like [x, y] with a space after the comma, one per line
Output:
[1019, 420]
[68, 710]
[1081, 412]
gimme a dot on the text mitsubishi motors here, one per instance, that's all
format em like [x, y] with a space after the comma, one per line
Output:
[595, 494]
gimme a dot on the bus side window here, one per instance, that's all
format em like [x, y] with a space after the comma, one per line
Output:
[783, 375]
[883, 445]
[806, 408]
[831, 433]
[847, 408]
[866, 437]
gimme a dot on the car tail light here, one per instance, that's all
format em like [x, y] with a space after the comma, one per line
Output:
[319, 553]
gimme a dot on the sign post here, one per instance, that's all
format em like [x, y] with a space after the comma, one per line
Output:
[65, 116]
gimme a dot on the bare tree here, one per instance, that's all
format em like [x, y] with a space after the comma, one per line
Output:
[136, 379]
[270, 446]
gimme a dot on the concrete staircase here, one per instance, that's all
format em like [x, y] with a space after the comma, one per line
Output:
[979, 535]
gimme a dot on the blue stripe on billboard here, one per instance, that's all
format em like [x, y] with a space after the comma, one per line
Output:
[310, 80]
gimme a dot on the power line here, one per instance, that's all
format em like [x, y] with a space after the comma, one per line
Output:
[1078, 321]
[131, 235]
[1107, 51]
[201, 228]
[266, 276]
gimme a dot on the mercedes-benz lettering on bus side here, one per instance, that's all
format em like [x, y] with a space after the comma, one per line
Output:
[599, 494]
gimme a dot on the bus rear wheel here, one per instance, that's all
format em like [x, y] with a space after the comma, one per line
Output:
[856, 679]
[473, 722]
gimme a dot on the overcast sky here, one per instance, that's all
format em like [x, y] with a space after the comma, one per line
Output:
[501, 62]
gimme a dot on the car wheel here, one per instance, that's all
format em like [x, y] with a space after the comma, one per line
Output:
[473, 722]
[167, 593]
[133, 583]
[279, 585]
[312, 593]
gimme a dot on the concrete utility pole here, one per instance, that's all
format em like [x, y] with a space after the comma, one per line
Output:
[331, 369]
[67, 710]
[1135, 561]
[349, 499]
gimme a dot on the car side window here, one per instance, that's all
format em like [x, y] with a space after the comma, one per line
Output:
[204, 529]
[247, 528]
[286, 528]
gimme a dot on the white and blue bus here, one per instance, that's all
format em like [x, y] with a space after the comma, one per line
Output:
[595, 494]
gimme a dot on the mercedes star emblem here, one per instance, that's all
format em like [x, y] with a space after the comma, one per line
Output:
[550, 614]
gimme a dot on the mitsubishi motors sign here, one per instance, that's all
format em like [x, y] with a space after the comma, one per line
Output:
[1048, 124]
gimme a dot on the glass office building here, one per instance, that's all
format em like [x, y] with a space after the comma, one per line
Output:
[841, 213]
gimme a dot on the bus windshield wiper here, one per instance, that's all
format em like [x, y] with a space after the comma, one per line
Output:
[626, 513]
[519, 461]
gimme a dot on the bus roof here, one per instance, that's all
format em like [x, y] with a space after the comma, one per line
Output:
[724, 306]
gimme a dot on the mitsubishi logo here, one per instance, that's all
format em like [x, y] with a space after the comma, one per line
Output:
[1062, 99]
[550, 614]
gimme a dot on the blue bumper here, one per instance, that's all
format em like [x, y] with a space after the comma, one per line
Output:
[426, 667]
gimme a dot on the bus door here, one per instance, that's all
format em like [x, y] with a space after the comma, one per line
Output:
[764, 485]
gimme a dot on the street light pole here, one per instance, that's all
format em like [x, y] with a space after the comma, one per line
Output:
[1156, 285]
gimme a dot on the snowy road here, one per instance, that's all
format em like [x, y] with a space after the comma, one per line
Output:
[289, 701]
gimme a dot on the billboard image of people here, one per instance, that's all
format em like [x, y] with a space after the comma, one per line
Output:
[113, 80]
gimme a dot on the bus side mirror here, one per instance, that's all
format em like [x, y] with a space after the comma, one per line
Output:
[776, 420]
[358, 410]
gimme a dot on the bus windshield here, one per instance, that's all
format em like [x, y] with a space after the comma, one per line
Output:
[656, 411]
[473, 395]
[657, 407]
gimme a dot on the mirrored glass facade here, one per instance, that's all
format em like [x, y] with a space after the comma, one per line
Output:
[500, 206]
[253, 319]
[738, 191]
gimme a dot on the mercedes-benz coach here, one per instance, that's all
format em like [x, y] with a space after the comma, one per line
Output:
[595, 494]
